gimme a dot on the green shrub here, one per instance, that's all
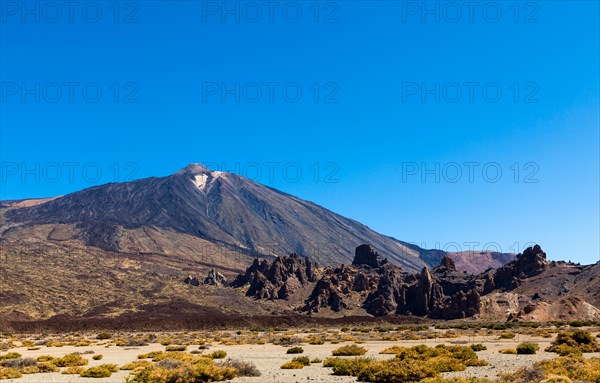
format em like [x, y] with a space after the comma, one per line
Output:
[348, 367]
[575, 368]
[97, 357]
[411, 364]
[506, 335]
[292, 366]
[150, 355]
[565, 350]
[219, 354]
[314, 340]
[73, 370]
[104, 335]
[47, 367]
[527, 348]
[478, 347]
[295, 350]
[579, 339]
[396, 371]
[110, 367]
[305, 360]
[70, 360]
[136, 364]
[45, 358]
[176, 348]
[96, 372]
[10, 355]
[9, 373]
[350, 350]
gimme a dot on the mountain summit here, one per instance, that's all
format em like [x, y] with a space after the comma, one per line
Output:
[223, 208]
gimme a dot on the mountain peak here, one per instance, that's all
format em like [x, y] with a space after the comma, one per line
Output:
[194, 169]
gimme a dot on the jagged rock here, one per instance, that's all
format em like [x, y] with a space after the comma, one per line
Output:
[447, 264]
[389, 292]
[528, 264]
[366, 255]
[382, 288]
[277, 280]
[194, 281]
[214, 278]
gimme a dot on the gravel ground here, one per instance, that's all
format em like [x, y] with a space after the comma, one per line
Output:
[268, 358]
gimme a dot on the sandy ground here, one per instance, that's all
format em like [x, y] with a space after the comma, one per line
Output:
[268, 358]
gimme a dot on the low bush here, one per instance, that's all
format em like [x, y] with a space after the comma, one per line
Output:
[305, 360]
[347, 367]
[193, 368]
[527, 348]
[219, 354]
[45, 358]
[478, 347]
[73, 370]
[19, 363]
[9, 373]
[150, 355]
[506, 335]
[70, 360]
[579, 339]
[244, 369]
[315, 340]
[104, 335]
[97, 357]
[47, 367]
[96, 372]
[392, 350]
[411, 364]
[136, 364]
[350, 350]
[316, 360]
[559, 370]
[176, 348]
[511, 351]
[295, 350]
[10, 355]
[565, 350]
[292, 366]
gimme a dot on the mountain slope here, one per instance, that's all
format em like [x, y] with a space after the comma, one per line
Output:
[222, 208]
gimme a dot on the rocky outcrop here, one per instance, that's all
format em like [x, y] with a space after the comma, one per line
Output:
[339, 288]
[381, 288]
[528, 264]
[214, 278]
[191, 280]
[367, 256]
[441, 293]
[277, 280]
[389, 294]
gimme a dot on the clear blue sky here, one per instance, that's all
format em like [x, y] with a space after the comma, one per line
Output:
[374, 120]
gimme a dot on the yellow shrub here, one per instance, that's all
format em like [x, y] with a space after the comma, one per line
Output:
[73, 370]
[292, 366]
[9, 373]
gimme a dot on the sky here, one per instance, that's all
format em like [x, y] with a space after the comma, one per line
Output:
[451, 125]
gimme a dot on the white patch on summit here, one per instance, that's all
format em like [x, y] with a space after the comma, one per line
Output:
[200, 180]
